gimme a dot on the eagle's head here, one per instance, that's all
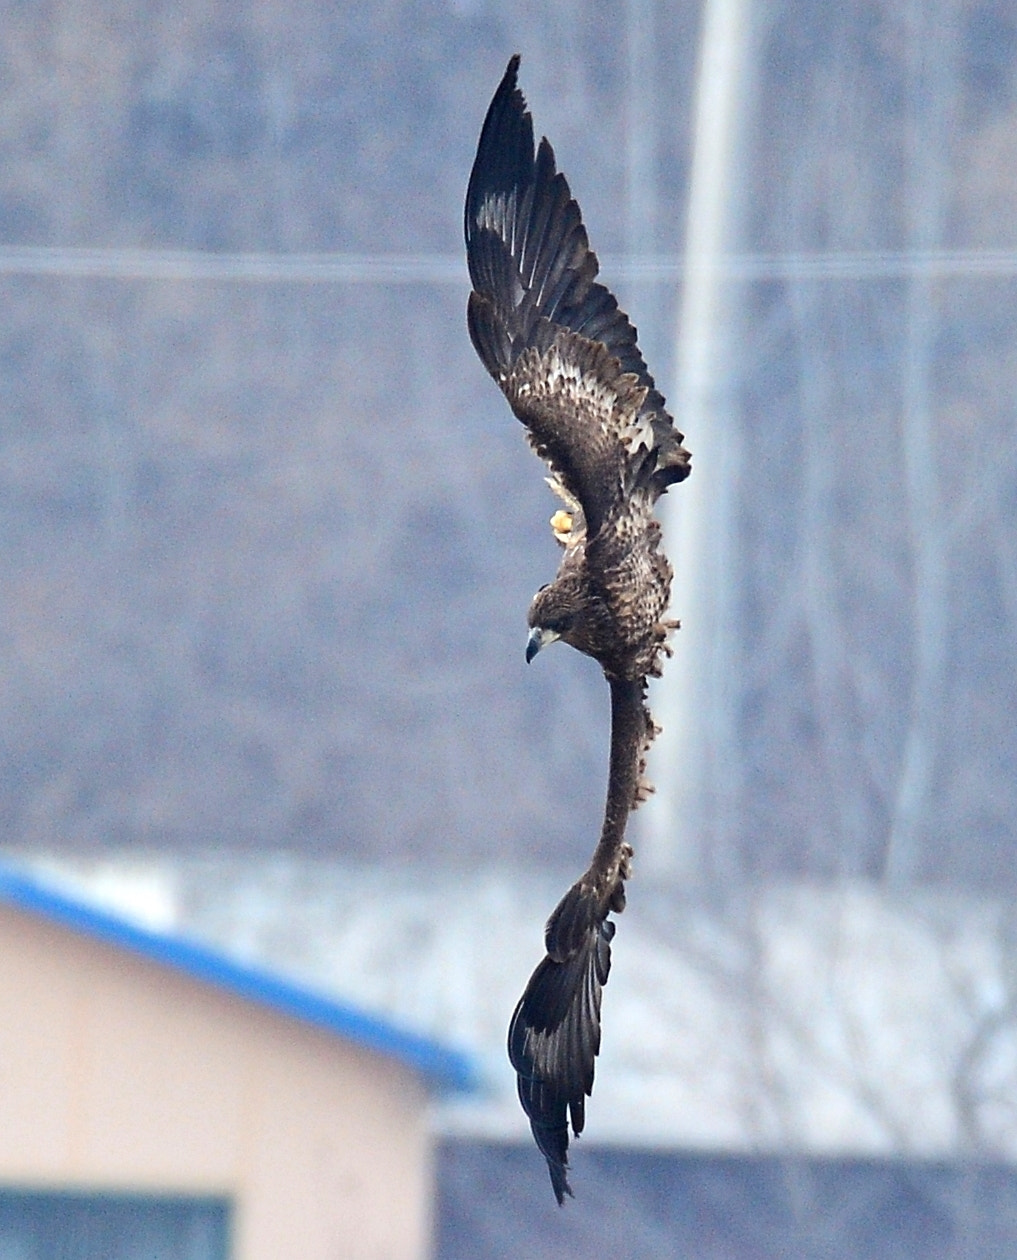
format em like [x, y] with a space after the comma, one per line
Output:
[554, 614]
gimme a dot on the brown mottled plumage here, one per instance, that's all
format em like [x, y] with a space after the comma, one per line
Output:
[566, 358]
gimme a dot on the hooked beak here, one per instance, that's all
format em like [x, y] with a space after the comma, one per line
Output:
[539, 637]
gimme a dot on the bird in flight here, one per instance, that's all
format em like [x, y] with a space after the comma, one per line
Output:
[566, 359]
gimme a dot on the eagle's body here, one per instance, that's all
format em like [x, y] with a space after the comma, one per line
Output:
[566, 358]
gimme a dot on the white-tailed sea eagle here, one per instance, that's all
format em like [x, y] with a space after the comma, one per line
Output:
[566, 358]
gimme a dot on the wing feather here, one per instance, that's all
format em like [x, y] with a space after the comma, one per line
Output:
[582, 416]
[532, 270]
[553, 1041]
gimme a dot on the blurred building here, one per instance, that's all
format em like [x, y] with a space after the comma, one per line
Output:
[161, 1099]
[676, 1205]
[806, 1071]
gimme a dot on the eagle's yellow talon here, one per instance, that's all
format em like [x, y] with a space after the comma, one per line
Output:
[561, 523]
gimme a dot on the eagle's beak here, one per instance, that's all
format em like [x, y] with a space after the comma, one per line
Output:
[539, 637]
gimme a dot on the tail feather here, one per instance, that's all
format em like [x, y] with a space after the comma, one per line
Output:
[554, 1036]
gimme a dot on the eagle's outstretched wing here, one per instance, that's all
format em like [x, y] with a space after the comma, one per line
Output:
[554, 1036]
[551, 336]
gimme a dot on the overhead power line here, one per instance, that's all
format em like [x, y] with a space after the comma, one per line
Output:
[198, 265]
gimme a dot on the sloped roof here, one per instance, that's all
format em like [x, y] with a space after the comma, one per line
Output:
[443, 1067]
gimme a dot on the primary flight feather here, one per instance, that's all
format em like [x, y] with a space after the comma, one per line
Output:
[566, 359]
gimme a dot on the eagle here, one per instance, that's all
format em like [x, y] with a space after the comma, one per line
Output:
[566, 358]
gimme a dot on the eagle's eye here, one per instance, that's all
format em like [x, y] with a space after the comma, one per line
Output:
[560, 624]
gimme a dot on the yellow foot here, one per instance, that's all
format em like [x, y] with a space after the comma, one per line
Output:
[561, 523]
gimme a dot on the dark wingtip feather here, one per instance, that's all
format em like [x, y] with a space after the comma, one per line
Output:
[554, 1036]
[529, 256]
[504, 158]
[548, 1117]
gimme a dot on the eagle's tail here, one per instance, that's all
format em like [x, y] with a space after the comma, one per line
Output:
[554, 1036]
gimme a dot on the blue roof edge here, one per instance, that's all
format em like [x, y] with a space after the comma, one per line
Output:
[446, 1068]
